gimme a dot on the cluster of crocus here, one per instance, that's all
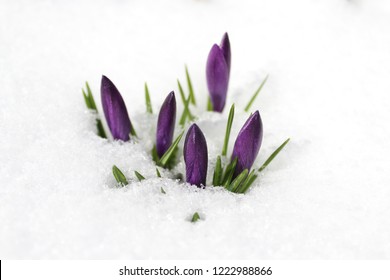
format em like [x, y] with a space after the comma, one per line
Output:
[246, 148]
[119, 123]
[237, 175]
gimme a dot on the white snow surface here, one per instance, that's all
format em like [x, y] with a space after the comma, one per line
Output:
[326, 196]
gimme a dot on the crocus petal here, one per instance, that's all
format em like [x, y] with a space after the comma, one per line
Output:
[195, 156]
[166, 124]
[225, 47]
[248, 143]
[115, 110]
[217, 74]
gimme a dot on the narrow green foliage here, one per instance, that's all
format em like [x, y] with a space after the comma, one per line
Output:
[132, 131]
[217, 178]
[190, 88]
[158, 173]
[91, 100]
[228, 130]
[209, 104]
[139, 176]
[100, 129]
[248, 182]
[255, 94]
[186, 103]
[119, 177]
[195, 217]
[90, 103]
[154, 154]
[170, 152]
[86, 99]
[229, 171]
[237, 181]
[181, 91]
[162, 190]
[273, 155]
[148, 103]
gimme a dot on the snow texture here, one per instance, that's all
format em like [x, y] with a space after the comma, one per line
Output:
[327, 195]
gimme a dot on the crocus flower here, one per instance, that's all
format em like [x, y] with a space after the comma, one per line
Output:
[248, 143]
[195, 156]
[166, 124]
[217, 73]
[115, 110]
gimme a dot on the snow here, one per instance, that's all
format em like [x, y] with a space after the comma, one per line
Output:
[325, 196]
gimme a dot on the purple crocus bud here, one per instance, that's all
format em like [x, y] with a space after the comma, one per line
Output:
[195, 156]
[166, 124]
[248, 143]
[225, 47]
[115, 110]
[217, 73]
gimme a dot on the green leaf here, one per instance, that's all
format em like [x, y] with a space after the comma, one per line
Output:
[228, 175]
[132, 130]
[154, 154]
[162, 190]
[158, 173]
[182, 95]
[86, 99]
[273, 155]
[255, 94]
[228, 130]
[217, 178]
[149, 108]
[186, 103]
[237, 181]
[90, 102]
[248, 182]
[195, 217]
[100, 129]
[170, 152]
[209, 104]
[90, 96]
[119, 177]
[139, 176]
[190, 88]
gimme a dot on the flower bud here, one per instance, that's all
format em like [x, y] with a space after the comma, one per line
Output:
[115, 111]
[217, 73]
[195, 156]
[248, 143]
[166, 124]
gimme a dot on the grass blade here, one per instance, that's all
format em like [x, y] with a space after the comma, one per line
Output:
[209, 104]
[100, 128]
[158, 173]
[86, 99]
[190, 88]
[228, 175]
[132, 130]
[119, 176]
[236, 182]
[195, 217]
[217, 173]
[248, 182]
[148, 102]
[90, 103]
[186, 103]
[273, 155]
[168, 154]
[228, 130]
[90, 96]
[139, 176]
[162, 190]
[255, 94]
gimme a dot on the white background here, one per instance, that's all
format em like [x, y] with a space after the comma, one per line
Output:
[326, 196]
